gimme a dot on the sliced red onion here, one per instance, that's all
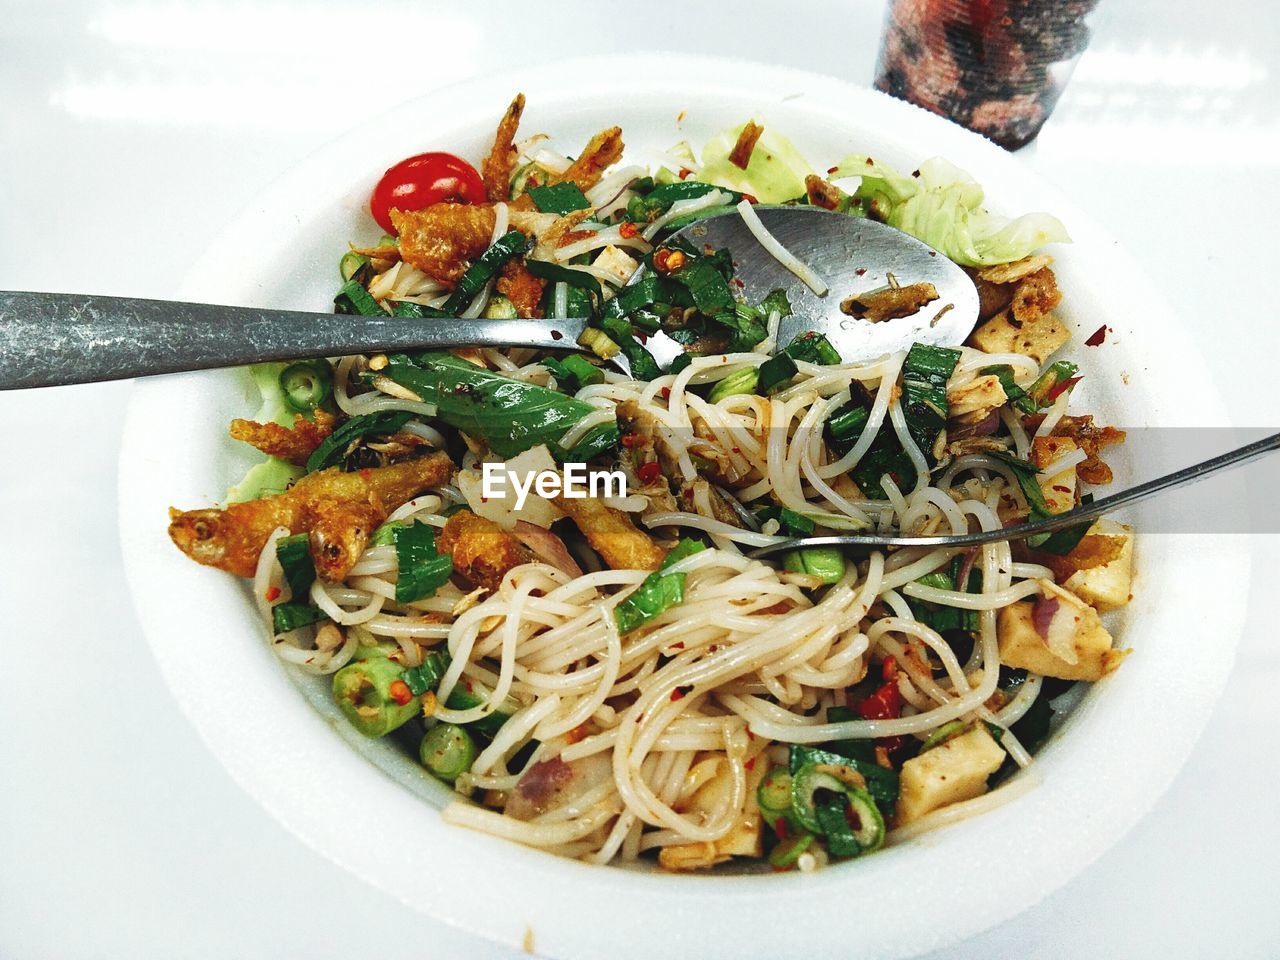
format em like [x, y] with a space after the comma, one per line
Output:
[983, 428]
[1042, 614]
[546, 546]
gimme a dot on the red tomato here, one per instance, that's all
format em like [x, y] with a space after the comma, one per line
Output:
[423, 180]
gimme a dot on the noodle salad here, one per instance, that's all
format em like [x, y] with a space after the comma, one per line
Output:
[612, 677]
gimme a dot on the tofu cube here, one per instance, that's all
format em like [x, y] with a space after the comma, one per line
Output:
[957, 770]
[978, 397]
[1108, 586]
[744, 837]
[1076, 645]
[1059, 488]
[1037, 338]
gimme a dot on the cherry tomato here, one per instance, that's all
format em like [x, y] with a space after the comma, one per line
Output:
[423, 180]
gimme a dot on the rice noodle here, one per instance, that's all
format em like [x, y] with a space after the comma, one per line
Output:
[778, 251]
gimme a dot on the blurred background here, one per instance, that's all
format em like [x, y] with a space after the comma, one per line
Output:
[131, 132]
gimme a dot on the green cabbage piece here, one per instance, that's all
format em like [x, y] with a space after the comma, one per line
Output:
[943, 207]
[272, 475]
[775, 173]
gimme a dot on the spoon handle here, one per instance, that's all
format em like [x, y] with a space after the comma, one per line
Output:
[1091, 511]
[52, 339]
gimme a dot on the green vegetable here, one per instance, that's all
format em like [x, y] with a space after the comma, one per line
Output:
[354, 298]
[943, 207]
[286, 617]
[1061, 542]
[510, 244]
[790, 523]
[924, 392]
[306, 384]
[385, 535]
[650, 289]
[774, 374]
[787, 852]
[463, 698]
[422, 570]
[822, 803]
[659, 591]
[294, 556]
[847, 423]
[555, 273]
[1017, 396]
[739, 382]
[573, 372]
[774, 794]
[943, 734]
[499, 308]
[650, 206]
[1054, 374]
[775, 172]
[826, 563]
[508, 414]
[598, 342]
[447, 751]
[643, 366]
[939, 616]
[418, 311]
[427, 675]
[882, 783]
[560, 198]
[350, 264]
[811, 347]
[707, 285]
[363, 691]
[333, 447]
[264, 479]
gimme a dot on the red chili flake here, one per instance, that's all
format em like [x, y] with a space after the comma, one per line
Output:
[916, 174]
[642, 336]
[400, 692]
[831, 170]
[750, 199]
[272, 593]
[884, 704]
[628, 229]
[557, 335]
[780, 828]
[649, 472]
[870, 162]
[1097, 337]
[665, 393]
[1058, 389]
[679, 645]
[740, 284]
[685, 173]
[713, 648]
[749, 764]
[1061, 489]
[860, 271]
[630, 440]
[677, 693]
[366, 473]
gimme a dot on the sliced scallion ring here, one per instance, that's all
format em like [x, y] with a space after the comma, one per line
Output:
[306, 384]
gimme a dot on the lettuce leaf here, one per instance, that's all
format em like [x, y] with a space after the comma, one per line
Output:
[943, 207]
[272, 475]
[775, 173]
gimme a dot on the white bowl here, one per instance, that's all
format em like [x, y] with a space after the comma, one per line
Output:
[373, 810]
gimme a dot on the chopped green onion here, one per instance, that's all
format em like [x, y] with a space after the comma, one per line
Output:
[422, 570]
[774, 374]
[657, 593]
[826, 563]
[385, 535]
[418, 311]
[1017, 396]
[774, 793]
[1045, 384]
[707, 286]
[447, 751]
[306, 384]
[373, 696]
[687, 547]
[598, 342]
[286, 617]
[500, 308]
[819, 801]
[650, 206]
[510, 244]
[354, 298]
[942, 734]
[559, 198]
[788, 851]
[293, 553]
[333, 447]
[882, 783]
[426, 675]
[468, 699]
[847, 423]
[555, 273]
[739, 382]
[939, 616]
[350, 264]
[643, 366]
[924, 392]
[790, 523]
[813, 347]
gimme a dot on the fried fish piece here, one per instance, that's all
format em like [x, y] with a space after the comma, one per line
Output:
[441, 240]
[740, 155]
[339, 510]
[294, 444]
[889, 303]
[612, 534]
[522, 288]
[496, 169]
[482, 551]
[601, 152]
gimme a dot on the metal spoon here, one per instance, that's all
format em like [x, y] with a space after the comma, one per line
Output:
[1088, 512]
[51, 339]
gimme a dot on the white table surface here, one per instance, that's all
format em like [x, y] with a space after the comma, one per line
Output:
[130, 131]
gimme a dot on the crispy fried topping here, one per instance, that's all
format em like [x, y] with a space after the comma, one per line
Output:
[294, 445]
